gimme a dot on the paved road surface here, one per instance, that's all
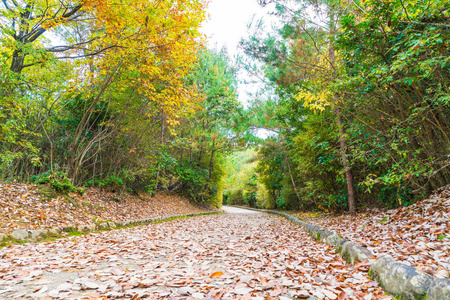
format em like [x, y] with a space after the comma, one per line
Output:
[236, 255]
[235, 210]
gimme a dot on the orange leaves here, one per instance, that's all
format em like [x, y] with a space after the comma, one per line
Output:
[216, 274]
[416, 235]
[363, 266]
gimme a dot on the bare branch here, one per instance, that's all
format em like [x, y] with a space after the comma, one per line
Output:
[32, 36]
[6, 5]
[425, 23]
[63, 48]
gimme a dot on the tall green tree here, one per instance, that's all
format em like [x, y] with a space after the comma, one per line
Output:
[397, 64]
[381, 69]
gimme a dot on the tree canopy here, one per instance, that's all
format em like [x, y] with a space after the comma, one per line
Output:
[361, 102]
[127, 96]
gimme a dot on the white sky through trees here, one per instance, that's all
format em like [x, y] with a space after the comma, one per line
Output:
[228, 22]
[226, 26]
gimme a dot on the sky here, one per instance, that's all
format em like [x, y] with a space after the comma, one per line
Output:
[226, 26]
[228, 22]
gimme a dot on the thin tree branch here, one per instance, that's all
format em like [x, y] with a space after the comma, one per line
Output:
[425, 23]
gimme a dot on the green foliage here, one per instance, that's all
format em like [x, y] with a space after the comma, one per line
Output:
[193, 180]
[400, 81]
[240, 175]
[58, 181]
[108, 134]
[384, 78]
[217, 182]
[195, 185]
[281, 203]
[156, 117]
[251, 188]
[236, 197]
[263, 199]
[112, 182]
[270, 170]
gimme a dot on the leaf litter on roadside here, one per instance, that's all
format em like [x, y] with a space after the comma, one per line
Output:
[24, 208]
[417, 235]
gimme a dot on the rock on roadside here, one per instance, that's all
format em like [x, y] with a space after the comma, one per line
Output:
[20, 235]
[401, 279]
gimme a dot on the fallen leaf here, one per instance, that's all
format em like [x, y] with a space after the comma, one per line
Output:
[216, 274]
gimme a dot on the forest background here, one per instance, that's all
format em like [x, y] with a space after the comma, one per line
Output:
[126, 96]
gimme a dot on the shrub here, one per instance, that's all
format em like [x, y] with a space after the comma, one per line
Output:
[237, 197]
[58, 181]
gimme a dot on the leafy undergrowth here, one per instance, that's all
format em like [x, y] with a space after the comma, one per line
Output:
[417, 235]
[227, 256]
[36, 207]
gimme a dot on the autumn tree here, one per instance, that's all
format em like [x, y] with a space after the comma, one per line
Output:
[97, 68]
[213, 130]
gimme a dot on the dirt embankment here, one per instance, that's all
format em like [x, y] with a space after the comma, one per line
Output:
[417, 235]
[25, 206]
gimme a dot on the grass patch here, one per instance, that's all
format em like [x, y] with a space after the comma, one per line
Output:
[47, 193]
[77, 233]
[93, 206]
[370, 274]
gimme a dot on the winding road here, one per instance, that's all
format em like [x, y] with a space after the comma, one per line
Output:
[240, 254]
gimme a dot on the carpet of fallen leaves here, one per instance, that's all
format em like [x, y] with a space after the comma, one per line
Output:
[23, 207]
[417, 235]
[236, 255]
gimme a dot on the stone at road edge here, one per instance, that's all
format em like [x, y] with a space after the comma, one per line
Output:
[20, 235]
[401, 279]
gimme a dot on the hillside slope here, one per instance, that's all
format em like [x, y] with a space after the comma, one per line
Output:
[417, 235]
[26, 206]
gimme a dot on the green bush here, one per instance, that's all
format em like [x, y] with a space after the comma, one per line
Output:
[111, 181]
[193, 182]
[58, 181]
[237, 197]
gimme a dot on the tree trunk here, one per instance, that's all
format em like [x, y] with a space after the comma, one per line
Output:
[73, 155]
[162, 142]
[17, 61]
[292, 178]
[342, 141]
[211, 165]
[347, 169]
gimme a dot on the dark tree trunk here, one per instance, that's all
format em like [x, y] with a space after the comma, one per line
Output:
[163, 119]
[211, 165]
[17, 61]
[342, 141]
[347, 169]
[292, 178]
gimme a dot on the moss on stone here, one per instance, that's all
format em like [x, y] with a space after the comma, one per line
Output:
[423, 297]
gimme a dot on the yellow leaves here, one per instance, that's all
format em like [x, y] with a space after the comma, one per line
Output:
[157, 44]
[317, 101]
